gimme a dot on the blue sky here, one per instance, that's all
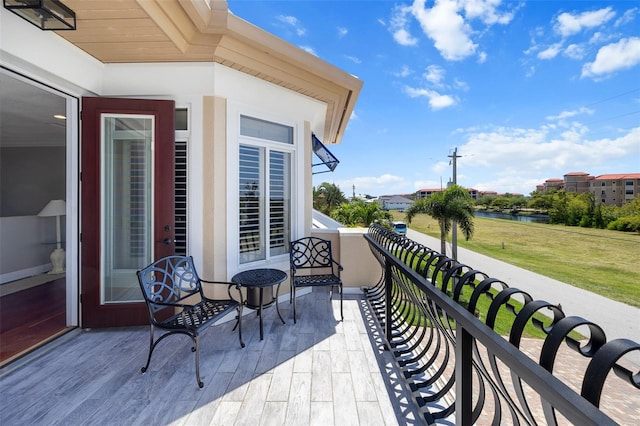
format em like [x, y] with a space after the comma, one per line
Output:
[526, 91]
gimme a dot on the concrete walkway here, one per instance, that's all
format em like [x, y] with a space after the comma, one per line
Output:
[618, 320]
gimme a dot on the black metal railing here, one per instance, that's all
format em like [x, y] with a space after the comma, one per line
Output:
[459, 369]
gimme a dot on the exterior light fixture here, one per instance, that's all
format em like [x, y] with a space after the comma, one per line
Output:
[44, 14]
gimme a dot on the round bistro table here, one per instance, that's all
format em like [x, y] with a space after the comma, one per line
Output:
[255, 281]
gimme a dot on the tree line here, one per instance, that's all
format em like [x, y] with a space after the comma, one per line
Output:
[573, 209]
[329, 199]
[452, 204]
[567, 208]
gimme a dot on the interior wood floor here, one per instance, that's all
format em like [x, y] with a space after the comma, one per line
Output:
[31, 317]
[320, 371]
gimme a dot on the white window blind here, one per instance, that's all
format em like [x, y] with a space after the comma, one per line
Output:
[251, 204]
[280, 202]
[264, 190]
[180, 235]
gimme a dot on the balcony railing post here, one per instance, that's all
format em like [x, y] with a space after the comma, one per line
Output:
[387, 302]
[464, 378]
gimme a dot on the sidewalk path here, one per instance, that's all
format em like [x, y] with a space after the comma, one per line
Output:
[617, 319]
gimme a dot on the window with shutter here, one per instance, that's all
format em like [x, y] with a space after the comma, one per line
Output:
[264, 189]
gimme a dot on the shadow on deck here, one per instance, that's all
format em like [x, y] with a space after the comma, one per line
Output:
[319, 371]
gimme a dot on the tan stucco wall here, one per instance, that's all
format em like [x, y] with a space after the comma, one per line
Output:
[350, 248]
[214, 170]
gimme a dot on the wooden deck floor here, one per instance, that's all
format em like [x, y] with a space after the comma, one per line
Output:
[319, 371]
[31, 316]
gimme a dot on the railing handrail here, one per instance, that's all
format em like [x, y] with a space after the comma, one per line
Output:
[556, 393]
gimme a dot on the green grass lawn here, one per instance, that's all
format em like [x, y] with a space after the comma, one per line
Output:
[602, 261]
[503, 322]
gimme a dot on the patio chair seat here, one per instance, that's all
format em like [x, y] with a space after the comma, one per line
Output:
[312, 265]
[177, 304]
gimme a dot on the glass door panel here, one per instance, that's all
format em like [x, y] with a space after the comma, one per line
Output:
[127, 204]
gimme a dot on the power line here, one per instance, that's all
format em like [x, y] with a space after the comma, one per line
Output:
[612, 118]
[613, 97]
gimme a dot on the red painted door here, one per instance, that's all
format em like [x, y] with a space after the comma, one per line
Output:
[127, 203]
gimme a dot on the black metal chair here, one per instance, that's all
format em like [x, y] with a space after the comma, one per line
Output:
[173, 292]
[312, 265]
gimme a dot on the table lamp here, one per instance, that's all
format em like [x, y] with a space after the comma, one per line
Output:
[56, 208]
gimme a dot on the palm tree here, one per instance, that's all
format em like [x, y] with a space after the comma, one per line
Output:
[454, 203]
[327, 197]
[359, 213]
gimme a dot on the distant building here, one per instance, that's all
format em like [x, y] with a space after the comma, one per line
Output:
[396, 202]
[615, 189]
[553, 183]
[577, 182]
[424, 193]
[610, 189]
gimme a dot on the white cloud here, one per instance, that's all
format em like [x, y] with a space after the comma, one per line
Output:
[600, 38]
[487, 11]
[550, 52]
[482, 57]
[614, 57]
[404, 72]
[441, 166]
[434, 74]
[398, 25]
[627, 17]
[373, 184]
[574, 51]
[530, 72]
[403, 38]
[448, 29]
[342, 32]
[528, 151]
[568, 24]
[510, 182]
[353, 59]
[446, 23]
[426, 184]
[309, 49]
[460, 85]
[293, 22]
[567, 114]
[437, 101]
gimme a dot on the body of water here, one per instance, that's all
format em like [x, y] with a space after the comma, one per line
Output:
[509, 216]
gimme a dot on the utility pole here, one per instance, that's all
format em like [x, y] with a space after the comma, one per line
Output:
[454, 227]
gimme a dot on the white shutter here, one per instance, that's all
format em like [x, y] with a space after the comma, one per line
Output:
[279, 202]
[250, 190]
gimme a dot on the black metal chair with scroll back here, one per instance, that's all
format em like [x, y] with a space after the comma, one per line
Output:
[312, 265]
[173, 292]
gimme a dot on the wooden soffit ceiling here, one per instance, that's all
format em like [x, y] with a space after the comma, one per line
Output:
[123, 31]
